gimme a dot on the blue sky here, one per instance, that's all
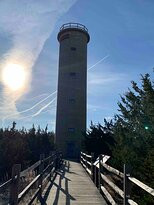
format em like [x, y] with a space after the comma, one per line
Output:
[123, 30]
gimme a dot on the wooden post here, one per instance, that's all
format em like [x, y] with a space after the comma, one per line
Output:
[41, 168]
[61, 159]
[86, 162]
[96, 176]
[81, 158]
[54, 159]
[51, 160]
[50, 154]
[92, 166]
[57, 161]
[126, 185]
[99, 173]
[15, 184]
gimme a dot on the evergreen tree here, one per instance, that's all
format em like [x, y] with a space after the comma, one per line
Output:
[99, 139]
[134, 132]
[23, 147]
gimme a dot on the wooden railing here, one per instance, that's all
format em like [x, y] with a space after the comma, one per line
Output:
[96, 170]
[25, 186]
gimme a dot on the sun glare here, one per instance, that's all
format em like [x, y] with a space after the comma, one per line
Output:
[14, 76]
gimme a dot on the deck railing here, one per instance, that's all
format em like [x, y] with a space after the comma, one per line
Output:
[27, 185]
[73, 25]
[96, 171]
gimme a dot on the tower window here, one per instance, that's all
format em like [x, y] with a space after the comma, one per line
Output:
[72, 100]
[73, 49]
[66, 36]
[71, 129]
[73, 74]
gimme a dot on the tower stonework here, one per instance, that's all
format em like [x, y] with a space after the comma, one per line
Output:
[72, 88]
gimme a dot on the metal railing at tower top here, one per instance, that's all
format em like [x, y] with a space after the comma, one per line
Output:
[73, 25]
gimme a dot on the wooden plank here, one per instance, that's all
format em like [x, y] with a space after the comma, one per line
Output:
[47, 167]
[31, 168]
[73, 186]
[89, 171]
[84, 160]
[113, 186]
[5, 184]
[142, 185]
[27, 188]
[89, 156]
[131, 202]
[89, 163]
[108, 196]
[47, 158]
[113, 170]
[33, 197]
[86, 154]
[116, 189]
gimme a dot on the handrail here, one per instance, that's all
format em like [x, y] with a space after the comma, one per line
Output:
[73, 25]
[56, 160]
[46, 159]
[113, 186]
[45, 168]
[89, 156]
[97, 175]
[142, 185]
[131, 202]
[27, 188]
[117, 189]
[5, 184]
[88, 170]
[89, 163]
[34, 166]
[108, 195]
[23, 173]
[113, 170]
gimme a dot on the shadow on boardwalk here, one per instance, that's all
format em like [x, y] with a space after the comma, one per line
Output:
[62, 172]
[71, 186]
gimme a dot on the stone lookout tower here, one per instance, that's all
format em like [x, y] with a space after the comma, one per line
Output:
[72, 88]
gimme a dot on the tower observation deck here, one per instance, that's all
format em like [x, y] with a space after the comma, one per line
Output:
[72, 88]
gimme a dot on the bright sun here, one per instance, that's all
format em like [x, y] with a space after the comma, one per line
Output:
[14, 76]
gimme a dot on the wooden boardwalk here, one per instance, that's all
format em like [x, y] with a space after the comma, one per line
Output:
[72, 186]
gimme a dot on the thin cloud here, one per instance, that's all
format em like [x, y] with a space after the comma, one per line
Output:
[29, 24]
[105, 79]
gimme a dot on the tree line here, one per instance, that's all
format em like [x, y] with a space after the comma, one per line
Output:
[23, 147]
[129, 138]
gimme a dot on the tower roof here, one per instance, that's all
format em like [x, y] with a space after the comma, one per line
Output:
[75, 27]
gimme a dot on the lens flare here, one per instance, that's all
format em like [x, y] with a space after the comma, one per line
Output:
[14, 76]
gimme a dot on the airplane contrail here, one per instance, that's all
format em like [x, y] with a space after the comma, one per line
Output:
[39, 111]
[51, 95]
[49, 109]
[98, 62]
[45, 106]
[33, 105]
